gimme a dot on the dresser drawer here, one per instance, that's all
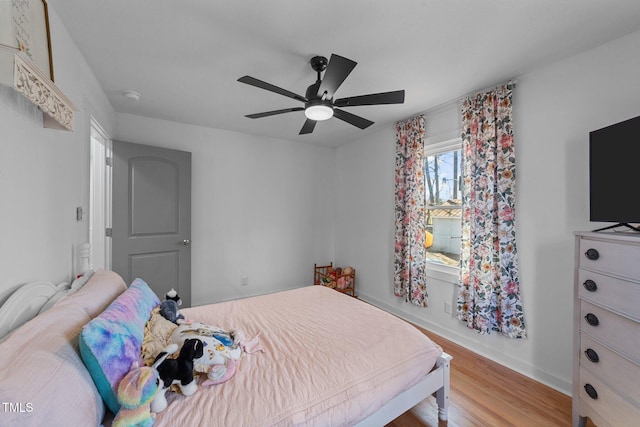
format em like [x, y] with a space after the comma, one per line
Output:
[618, 372]
[617, 294]
[616, 331]
[610, 405]
[615, 258]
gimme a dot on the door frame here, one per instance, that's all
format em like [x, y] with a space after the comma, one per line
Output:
[100, 197]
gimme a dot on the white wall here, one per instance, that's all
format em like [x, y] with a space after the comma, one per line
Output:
[269, 209]
[44, 172]
[554, 109]
[262, 208]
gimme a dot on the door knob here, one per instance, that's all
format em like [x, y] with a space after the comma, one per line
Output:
[185, 242]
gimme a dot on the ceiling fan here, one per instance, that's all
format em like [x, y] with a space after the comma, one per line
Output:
[318, 100]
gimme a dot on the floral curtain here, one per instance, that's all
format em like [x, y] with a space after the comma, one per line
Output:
[410, 255]
[489, 291]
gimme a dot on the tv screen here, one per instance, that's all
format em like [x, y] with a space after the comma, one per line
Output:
[614, 173]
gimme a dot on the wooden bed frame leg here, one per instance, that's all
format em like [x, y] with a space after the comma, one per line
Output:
[442, 395]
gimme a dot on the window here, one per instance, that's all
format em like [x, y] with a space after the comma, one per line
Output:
[443, 172]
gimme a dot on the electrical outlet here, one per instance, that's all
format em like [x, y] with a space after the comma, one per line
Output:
[244, 280]
[447, 307]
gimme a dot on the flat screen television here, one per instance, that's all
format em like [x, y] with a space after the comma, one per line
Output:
[614, 174]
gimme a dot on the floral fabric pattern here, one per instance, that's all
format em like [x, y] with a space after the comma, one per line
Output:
[489, 289]
[410, 253]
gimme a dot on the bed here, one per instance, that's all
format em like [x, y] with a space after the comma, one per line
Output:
[327, 359]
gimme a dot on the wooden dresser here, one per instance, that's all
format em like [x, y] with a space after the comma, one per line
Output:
[606, 365]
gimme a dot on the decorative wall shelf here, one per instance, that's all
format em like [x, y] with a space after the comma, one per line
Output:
[18, 71]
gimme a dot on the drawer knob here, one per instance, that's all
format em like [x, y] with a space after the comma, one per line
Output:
[591, 391]
[592, 319]
[592, 254]
[590, 285]
[592, 355]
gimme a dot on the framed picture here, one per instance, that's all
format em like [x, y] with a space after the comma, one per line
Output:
[25, 26]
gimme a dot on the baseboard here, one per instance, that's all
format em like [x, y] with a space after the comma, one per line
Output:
[248, 295]
[527, 370]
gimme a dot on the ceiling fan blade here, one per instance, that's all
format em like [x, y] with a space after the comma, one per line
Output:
[268, 86]
[396, 97]
[352, 119]
[308, 127]
[274, 112]
[337, 71]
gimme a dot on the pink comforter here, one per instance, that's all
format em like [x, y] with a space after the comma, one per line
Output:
[329, 360]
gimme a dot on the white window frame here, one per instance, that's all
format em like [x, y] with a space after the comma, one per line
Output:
[433, 146]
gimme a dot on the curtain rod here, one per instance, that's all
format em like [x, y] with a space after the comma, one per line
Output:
[511, 84]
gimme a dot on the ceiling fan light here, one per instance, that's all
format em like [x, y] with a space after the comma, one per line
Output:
[318, 112]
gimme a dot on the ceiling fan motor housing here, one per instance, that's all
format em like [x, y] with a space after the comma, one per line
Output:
[319, 63]
[312, 91]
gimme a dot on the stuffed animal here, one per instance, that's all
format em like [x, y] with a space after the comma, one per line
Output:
[173, 295]
[222, 349]
[177, 371]
[169, 308]
[136, 391]
[345, 277]
[343, 282]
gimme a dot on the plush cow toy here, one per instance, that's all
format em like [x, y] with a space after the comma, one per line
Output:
[177, 371]
[222, 349]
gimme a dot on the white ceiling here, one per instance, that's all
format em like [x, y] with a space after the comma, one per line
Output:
[184, 56]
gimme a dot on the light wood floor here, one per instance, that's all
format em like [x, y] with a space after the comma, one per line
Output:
[484, 393]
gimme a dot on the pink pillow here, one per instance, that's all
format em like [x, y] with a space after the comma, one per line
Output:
[102, 288]
[44, 381]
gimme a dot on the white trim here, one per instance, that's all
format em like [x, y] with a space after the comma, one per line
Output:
[100, 196]
[442, 143]
[445, 273]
